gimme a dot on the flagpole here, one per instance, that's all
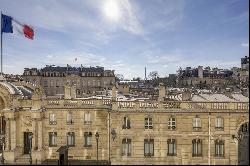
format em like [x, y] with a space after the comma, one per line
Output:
[1, 45]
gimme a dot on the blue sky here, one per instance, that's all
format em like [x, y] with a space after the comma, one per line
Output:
[127, 35]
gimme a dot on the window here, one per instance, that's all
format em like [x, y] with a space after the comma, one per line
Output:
[219, 148]
[57, 83]
[69, 118]
[126, 147]
[71, 139]
[149, 147]
[99, 83]
[126, 123]
[45, 83]
[52, 139]
[52, 119]
[51, 83]
[87, 118]
[148, 123]
[87, 139]
[78, 92]
[219, 123]
[171, 147]
[172, 123]
[197, 147]
[197, 123]
[244, 128]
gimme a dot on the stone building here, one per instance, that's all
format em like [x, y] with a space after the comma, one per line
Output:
[86, 80]
[194, 130]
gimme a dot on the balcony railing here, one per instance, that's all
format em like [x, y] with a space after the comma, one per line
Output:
[151, 105]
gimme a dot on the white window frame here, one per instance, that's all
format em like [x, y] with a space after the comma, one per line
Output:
[197, 123]
[52, 139]
[52, 118]
[171, 147]
[88, 139]
[219, 123]
[69, 118]
[87, 118]
[172, 123]
[148, 122]
[71, 138]
[126, 147]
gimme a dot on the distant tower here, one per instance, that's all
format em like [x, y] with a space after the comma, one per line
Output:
[145, 73]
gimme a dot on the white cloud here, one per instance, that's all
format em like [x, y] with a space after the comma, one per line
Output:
[245, 44]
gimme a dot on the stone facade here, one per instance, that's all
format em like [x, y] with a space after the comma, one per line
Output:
[87, 80]
[125, 129]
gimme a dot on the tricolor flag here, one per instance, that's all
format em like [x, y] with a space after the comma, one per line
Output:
[9, 25]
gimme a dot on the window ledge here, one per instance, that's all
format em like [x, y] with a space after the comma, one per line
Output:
[197, 156]
[88, 146]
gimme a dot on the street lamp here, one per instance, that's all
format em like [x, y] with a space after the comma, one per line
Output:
[30, 139]
[113, 132]
[238, 137]
[2, 136]
[97, 138]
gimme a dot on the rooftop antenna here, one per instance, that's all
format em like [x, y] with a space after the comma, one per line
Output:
[145, 73]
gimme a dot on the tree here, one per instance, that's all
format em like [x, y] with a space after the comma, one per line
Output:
[137, 79]
[154, 78]
[119, 77]
[153, 75]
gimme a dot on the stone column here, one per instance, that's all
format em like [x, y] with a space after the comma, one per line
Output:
[40, 134]
[12, 134]
[8, 135]
[35, 134]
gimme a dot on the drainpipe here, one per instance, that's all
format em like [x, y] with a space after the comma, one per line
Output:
[109, 111]
[209, 138]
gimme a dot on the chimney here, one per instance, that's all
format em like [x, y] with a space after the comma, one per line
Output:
[114, 93]
[200, 71]
[186, 95]
[162, 92]
[126, 89]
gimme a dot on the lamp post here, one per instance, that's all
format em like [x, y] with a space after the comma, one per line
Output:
[30, 139]
[2, 145]
[113, 133]
[238, 137]
[97, 138]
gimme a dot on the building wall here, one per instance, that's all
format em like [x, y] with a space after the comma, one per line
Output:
[33, 115]
[55, 85]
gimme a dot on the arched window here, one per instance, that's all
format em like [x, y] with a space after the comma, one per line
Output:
[197, 147]
[171, 147]
[219, 148]
[126, 147]
[87, 139]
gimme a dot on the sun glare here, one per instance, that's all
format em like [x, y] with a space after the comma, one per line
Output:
[112, 10]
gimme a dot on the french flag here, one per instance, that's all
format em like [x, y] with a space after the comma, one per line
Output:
[9, 25]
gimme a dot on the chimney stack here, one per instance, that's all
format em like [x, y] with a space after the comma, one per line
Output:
[162, 92]
[200, 71]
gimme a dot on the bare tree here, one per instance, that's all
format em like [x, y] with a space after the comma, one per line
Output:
[153, 75]
[119, 77]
